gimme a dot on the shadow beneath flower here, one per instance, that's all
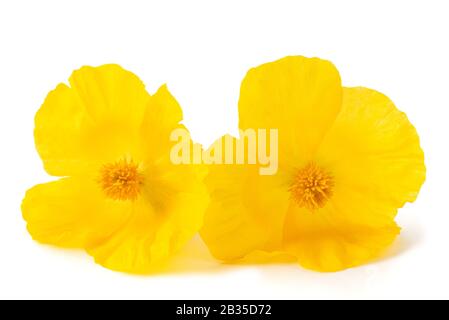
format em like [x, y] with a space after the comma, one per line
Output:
[193, 258]
[409, 238]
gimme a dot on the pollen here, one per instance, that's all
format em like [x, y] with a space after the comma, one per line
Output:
[312, 187]
[121, 180]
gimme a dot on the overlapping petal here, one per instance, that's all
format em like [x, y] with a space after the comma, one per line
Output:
[300, 97]
[94, 120]
[72, 212]
[246, 211]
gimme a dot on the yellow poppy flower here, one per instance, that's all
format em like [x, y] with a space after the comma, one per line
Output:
[348, 159]
[120, 198]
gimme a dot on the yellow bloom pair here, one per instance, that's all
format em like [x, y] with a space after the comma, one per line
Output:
[348, 159]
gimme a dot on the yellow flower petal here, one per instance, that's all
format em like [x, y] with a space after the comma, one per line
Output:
[71, 212]
[373, 149]
[162, 116]
[97, 118]
[377, 165]
[110, 93]
[246, 211]
[299, 96]
[169, 214]
[325, 244]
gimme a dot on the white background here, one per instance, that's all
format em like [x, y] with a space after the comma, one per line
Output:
[202, 50]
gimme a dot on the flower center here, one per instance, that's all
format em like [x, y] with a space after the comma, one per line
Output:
[312, 187]
[121, 180]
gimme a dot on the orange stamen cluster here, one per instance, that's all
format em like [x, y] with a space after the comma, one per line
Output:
[121, 180]
[312, 187]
